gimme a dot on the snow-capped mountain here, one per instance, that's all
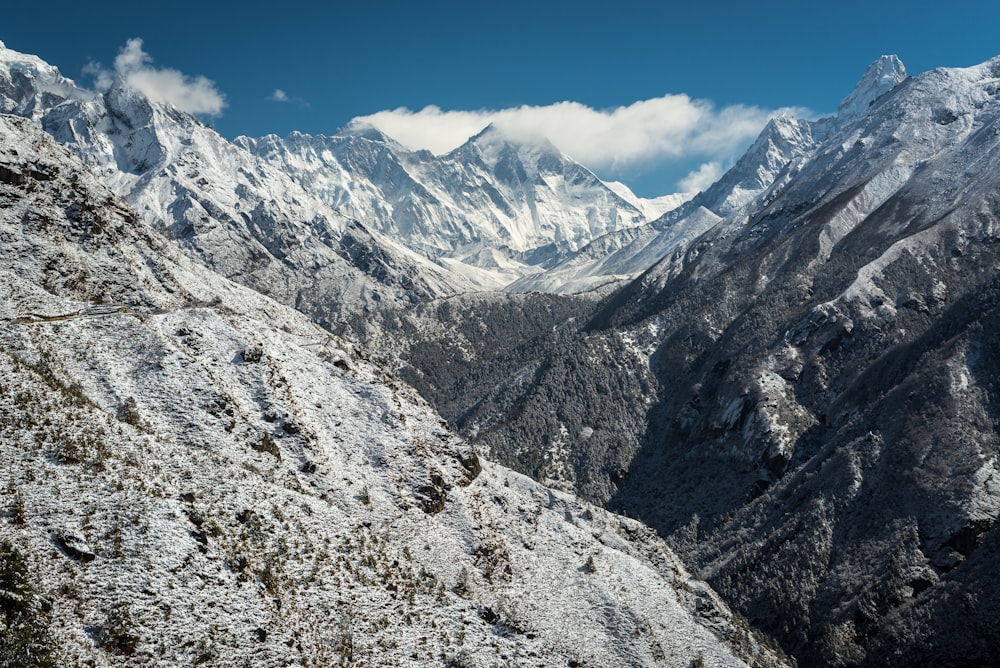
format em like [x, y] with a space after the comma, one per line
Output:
[623, 255]
[502, 208]
[197, 474]
[881, 77]
[244, 218]
[778, 152]
[480, 217]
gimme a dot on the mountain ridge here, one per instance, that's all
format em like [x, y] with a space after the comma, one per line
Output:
[525, 199]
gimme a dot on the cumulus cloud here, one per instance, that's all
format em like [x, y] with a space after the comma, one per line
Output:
[279, 95]
[102, 77]
[193, 94]
[701, 178]
[672, 127]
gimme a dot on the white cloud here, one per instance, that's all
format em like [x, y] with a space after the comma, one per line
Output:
[195, 95]
[701, 178]
[647, 132]
[279, 95]
[102, 77]
[131, 57]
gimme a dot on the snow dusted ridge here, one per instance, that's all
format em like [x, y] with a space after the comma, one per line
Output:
[29, 85]
[623, 255]
[368, 220]
[196, 474]
[372, 222]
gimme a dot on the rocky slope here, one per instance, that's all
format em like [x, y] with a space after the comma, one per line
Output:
[832, 358]
[197, 474]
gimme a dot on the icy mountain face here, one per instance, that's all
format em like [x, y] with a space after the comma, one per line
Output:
[196, 474]
[241, 216]
[782, 142]
[503, 207]
[30, 86]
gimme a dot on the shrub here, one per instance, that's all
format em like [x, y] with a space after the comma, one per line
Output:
[128, 412]
[119, 634]
[24, 617]
[16, 511]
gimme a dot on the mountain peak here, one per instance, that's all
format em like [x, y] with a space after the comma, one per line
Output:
[493, 134]
[530, 148]
[881, 76]
[29, 86]
[369, 132]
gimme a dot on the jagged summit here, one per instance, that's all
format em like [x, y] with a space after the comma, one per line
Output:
[495, 144]
[29, 85]
[224, 204]
[881, 76]
[498, 134]
[364, 131]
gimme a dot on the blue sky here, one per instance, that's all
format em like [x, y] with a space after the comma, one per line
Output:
[695, 81]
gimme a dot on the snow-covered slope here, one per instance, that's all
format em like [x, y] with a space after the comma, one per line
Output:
[196, 474]
[505, 208]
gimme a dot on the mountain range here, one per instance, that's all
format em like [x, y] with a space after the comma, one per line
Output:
[493, 209]
[198, 474]
[225, 362]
